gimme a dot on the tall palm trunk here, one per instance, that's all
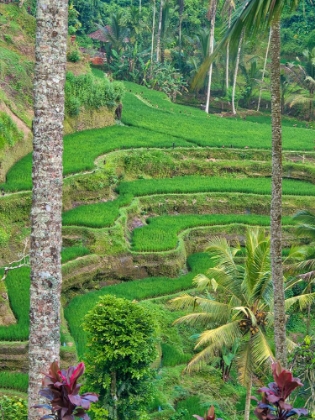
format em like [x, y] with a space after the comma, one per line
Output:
[50, 51]
[237, 63]
[276, 199]
[248, 397]
[152, 39]
[158, 41]
[264, 71]
[213, 10]
[227, 64]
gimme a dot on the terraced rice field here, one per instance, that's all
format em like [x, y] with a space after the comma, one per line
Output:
[137, 194]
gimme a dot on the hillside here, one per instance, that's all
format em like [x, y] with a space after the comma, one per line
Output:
[140, 200]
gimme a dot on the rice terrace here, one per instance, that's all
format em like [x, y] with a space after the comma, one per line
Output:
[142, 200]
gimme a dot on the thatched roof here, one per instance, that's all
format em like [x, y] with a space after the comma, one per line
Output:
[99, 35]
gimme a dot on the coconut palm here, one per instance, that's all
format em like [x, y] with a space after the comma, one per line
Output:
[237, 305]
[45, 261]
[304, 75]
[238, 309]
[253, 16]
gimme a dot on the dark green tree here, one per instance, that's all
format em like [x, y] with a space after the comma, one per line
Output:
[121, 349]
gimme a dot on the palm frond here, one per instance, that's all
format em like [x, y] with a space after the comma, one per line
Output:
[223, 335]
[245, 362]
[303, 300]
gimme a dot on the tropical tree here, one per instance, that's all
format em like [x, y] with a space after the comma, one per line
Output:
[212, 15]
[304, 75]
[45, 247]
[237, 305]
[253, 16]
[121, 348]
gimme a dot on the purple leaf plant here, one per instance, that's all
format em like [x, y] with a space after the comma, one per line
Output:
[60, 387]
[273, 405]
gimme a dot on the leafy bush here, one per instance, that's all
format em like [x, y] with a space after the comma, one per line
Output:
[73, 56]
[121, 349]
[13, 408]
[90, 92]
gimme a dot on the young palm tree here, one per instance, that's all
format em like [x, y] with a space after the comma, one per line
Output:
[50, 52]
[240, 307]
[304, 75]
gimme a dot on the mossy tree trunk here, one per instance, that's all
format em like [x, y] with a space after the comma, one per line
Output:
[50, 52]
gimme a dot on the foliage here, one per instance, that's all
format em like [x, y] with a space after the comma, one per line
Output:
[12, 408]
[90, 92]
[167, 79]
[61, 389]
[9, 133]
[122, 346]
[302, 362]
[240, 306]
[273, 404]
[137, 289]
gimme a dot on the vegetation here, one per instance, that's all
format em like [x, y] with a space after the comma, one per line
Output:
[121, 348]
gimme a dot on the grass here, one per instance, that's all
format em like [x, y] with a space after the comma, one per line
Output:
[138, 290]
[188, 184]
[161, 233]
[157, 122]
[14, 380]
[155, 112]
[95, 215]
[73, 252]
[18, 285]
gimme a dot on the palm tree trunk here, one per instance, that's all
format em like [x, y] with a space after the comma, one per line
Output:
[50, 51]
[276, 199]
[227, 64]
[158, 41]
[264, 71]
[248, 397]
[152, 39]
[237, 63]
[211, 47]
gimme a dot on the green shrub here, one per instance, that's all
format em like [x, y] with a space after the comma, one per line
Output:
[73, 56]
[13, 408]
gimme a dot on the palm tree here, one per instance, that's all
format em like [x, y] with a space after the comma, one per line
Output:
[212, 15]
[253, 16]
[50, 52]
[240, 307]
[304, 75]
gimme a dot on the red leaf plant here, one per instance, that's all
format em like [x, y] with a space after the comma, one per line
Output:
[60, 387]
[210, 415]
[273, 405]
